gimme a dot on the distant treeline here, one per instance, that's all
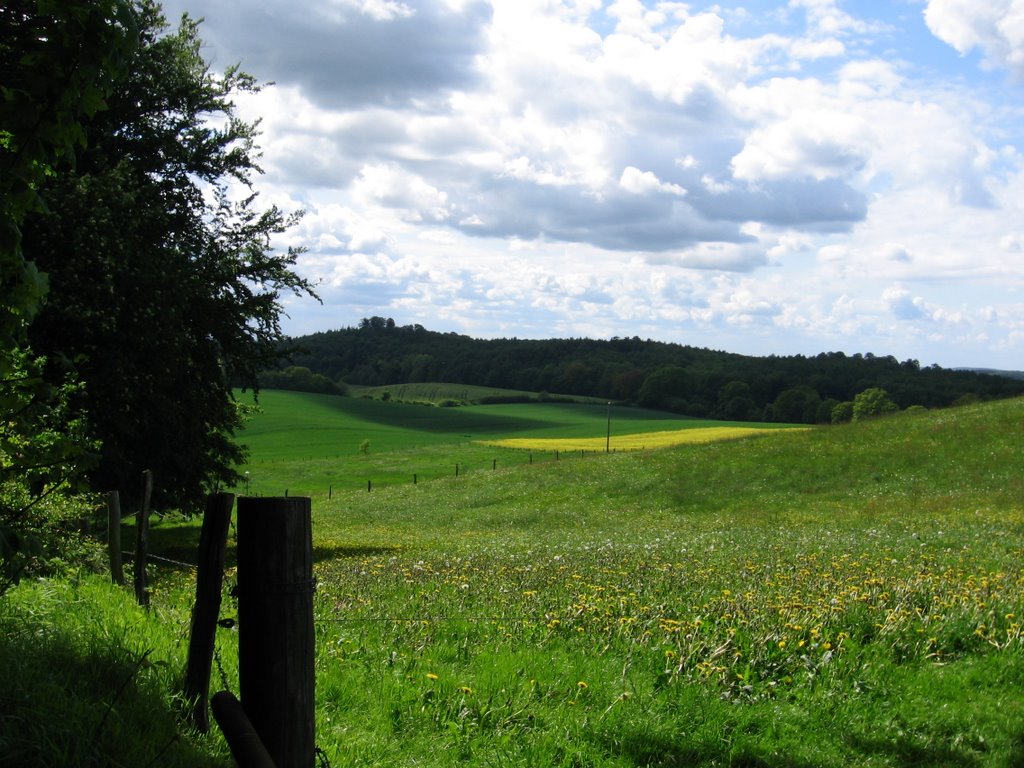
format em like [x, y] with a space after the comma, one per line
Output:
[682, 379]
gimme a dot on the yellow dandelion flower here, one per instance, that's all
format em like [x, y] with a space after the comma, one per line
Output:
[432, 676]
[582, 685]
[466, 689]
[782, 643]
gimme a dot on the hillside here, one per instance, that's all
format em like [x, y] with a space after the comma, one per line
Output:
[829, 597]
[683, 379]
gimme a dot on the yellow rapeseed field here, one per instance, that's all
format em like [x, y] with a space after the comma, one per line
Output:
[634, 442]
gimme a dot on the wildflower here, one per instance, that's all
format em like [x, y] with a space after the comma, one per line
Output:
[582, 685]
[466, 690]
[432, 676]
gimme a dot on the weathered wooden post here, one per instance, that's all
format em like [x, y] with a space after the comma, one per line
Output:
[142, 539]
[275, 625]
[114, 537]
[246, 746]
[213, 543]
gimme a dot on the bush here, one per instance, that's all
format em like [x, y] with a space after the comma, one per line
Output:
[46, 535]
[843, 412]
[871, 403]
[297, 378]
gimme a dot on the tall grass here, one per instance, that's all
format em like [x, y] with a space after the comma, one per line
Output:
[91, 679]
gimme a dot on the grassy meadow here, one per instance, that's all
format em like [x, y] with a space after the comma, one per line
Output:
[842, 596]
[308, 444]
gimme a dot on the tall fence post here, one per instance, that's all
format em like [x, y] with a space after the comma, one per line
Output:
[114, 537]
[213, 543]
[142, 539]
[275, 625]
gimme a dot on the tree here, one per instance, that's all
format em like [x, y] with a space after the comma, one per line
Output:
[842, 412]
[665, 387]
[164, 288]
[58, 64]
[872, 402]
[735, 402]
[798, 405]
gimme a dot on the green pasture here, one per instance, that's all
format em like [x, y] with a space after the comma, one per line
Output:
[842, 596]
[310, 444]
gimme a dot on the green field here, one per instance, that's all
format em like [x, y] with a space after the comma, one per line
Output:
[843, 596]
[308, 444]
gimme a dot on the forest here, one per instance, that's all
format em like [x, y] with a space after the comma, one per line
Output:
[687, 380]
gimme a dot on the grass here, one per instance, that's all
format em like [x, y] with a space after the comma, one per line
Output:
[91, 679]
[312, 444]
[831, 597]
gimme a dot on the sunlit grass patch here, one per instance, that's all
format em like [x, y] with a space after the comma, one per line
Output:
[633, 442]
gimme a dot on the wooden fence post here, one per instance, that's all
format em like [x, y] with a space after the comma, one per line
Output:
[142, 539]
[275, 625]
[114, 537]
[246, 746]
[213, 542]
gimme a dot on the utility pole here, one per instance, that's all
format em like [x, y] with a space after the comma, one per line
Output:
[608, 437]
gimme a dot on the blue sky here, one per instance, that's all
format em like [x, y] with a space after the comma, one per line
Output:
[765, 177]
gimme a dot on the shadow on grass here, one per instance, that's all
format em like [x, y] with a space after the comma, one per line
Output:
[65, 704]
[175, 546]
[176, 543]
[906, 751]
[327, 552]
[1017, 755]
[645, 749]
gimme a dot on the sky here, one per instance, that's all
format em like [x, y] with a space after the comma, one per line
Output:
[762, 177]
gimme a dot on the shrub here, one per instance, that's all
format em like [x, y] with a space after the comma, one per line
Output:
[872, 402]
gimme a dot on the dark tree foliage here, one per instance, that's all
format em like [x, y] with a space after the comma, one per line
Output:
[59, 60]
[683, 379]
[164, 288]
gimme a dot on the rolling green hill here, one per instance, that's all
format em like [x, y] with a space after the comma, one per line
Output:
[308, 443]
[683, 379]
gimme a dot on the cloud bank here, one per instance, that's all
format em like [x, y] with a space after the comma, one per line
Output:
[798, 178]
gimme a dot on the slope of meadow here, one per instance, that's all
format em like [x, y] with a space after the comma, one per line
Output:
[307, 444]
[834, 597]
